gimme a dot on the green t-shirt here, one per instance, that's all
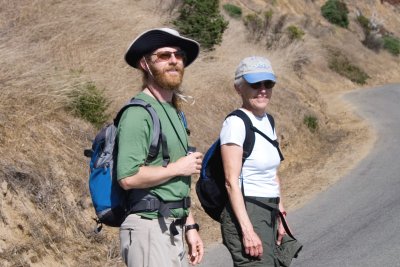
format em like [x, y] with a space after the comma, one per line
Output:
[134, 137]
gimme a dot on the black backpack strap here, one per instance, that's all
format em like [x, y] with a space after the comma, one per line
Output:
[275, 143]
[271, 121]
[157, 138]
[249, 141]
[250, 138]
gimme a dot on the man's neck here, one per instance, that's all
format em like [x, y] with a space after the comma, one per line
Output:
[163, 95]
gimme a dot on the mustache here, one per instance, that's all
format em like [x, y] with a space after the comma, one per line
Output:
[174, 68]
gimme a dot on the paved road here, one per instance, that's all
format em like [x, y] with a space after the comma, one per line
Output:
[357, 221]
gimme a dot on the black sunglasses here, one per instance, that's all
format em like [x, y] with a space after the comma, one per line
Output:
[166, 55]
[267, 84]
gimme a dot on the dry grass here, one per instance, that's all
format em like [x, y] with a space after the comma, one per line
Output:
[50, 47]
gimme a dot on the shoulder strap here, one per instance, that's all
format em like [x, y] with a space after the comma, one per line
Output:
[157, 131]
[250, 138]
[275, 143]
[271, 121]
[182, 117]
[249, 141]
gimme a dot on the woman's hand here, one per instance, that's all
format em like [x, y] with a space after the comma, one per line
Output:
[252, 244]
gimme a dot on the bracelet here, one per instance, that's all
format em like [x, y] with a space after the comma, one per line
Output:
[192, 226]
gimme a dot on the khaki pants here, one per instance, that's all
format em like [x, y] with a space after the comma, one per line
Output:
[264, 224]
[143, 244]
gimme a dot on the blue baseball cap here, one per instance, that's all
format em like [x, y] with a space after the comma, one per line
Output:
[255, 69]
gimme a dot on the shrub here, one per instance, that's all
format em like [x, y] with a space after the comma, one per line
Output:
[201, 21]
[335, 11]
[392, 44]
[268, 18]
[233, 11]
[295, 33]
[89, 103]
[311, 122]
[254, 25]
[373, 42]
[364, 23]
[279, 24]
[341, 65]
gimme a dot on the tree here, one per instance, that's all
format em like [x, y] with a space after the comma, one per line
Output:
[201, 21]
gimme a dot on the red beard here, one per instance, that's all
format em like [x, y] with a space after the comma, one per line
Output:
[166, 80]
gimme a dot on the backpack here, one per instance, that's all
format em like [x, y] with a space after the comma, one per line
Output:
[210, 187]
[108, 198]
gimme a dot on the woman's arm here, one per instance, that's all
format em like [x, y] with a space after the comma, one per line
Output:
[232, 161]
[281, 229]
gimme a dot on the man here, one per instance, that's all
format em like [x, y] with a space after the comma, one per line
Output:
[154, 236]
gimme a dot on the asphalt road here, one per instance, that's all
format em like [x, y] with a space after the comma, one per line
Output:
[356, 222]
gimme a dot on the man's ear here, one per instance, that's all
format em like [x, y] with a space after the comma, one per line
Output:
[143, 65]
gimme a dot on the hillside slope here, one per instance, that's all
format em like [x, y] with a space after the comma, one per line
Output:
[48, 48]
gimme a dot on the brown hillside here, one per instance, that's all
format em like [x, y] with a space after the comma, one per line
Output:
[50, 47]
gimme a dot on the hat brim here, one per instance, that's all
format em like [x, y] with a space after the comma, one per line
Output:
[258, 77]
[153, 39]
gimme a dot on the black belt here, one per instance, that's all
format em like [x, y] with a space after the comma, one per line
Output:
[258, 200]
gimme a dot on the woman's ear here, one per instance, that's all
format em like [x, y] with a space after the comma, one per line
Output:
[237, 89]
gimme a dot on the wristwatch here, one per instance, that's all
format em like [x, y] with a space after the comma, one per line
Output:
[192, 226]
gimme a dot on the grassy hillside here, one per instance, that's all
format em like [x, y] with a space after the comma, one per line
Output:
[49, 48]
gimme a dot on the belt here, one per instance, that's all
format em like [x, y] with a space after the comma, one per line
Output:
[256, 200]
[172, 227]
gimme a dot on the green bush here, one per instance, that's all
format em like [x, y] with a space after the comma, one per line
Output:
[201, 21]
[364, 23]
[89, 103]
[233, 11]
[268, 18]
[254, 25]
[295, 33]
[311, 122]
[391, 44]
[341, 65]
[335, 11]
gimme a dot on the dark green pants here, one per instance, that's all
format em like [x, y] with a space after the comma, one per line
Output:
[263, 217]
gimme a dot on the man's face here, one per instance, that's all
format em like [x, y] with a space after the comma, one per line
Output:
[167, 66]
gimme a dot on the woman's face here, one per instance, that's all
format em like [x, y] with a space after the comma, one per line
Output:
[256, 96]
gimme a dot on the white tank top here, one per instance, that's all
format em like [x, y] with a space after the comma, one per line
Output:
[260, 168]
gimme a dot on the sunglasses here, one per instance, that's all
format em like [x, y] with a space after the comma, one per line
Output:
[166, 55]
[267, 84]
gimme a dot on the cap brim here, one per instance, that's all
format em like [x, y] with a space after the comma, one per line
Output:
[156, 38]
[258, 77]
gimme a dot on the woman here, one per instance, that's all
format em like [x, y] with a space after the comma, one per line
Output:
[250, 227]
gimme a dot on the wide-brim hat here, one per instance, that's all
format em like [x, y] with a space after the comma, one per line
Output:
[255, 69]
[153, 39]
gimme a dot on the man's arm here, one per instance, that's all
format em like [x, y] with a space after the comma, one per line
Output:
[149, 176]
[195, 244]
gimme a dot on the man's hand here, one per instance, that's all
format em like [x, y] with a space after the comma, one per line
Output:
[195, 245]
[190, 164]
